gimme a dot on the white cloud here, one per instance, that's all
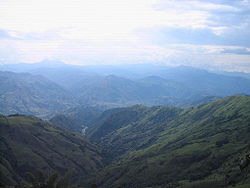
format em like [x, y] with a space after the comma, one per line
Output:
[111, 31]
[93, 19]
[8, 52]
[86, 19]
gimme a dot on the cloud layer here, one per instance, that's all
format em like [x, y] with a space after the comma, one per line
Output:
[211, 34]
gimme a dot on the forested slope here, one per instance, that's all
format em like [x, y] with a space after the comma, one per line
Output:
[29, 144]
[171, 145]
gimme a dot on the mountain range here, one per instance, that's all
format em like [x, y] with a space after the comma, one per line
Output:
[158, 146]
[48, 88]
[135, 146]
[139, 126]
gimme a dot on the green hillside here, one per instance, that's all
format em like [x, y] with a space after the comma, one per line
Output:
[179, 147]
[118, 91]
[141, 147]
[131, 128]
[34, 95]
[29, 144]
[78, 118]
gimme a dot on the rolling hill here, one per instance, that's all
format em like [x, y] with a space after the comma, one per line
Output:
[29, 94]
[29, 144]
[178, 147]
[126, 85]
[77, 119]
[194, 138]
[136, 146]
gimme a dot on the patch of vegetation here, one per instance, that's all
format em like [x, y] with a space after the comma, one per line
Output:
[168, 145]
[29, 143]
[141, 147]
[30, 94]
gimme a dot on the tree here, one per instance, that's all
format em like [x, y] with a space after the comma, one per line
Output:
[52, 181]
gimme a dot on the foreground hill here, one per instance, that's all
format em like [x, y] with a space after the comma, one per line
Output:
[28, 94]
[29, 144]
[171, 146]
[141, 146]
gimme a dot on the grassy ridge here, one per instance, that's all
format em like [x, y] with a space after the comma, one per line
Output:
[29, 144]
[144, 147]
[202, 143]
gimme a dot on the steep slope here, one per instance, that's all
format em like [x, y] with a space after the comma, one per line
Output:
[78, 119]
[110, 89]
[158, 91]
[174, 146]
[28, 94]
[117, 119]
[118, 91]
[29, 144]
[145, 84]
[131, 128]
[219, 83]
[125, 85]
[211, 83]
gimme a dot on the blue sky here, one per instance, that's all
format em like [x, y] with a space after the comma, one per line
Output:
[212, 34]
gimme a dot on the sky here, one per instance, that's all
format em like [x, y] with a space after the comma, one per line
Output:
[212, 34]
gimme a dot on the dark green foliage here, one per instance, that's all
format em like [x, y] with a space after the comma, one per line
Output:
[169, 145]
[28, 144]
[51, 180]
[75, 119]
[144, 147]
[205, 184]
[132, 128]
[65, 181]
[31, 178]
[117, 120]
[40, 180]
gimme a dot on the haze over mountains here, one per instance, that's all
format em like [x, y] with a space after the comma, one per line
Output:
[128, 125]
[110, 86]
[162, 145]
[125, 94]
[137, 146]
[31, 94]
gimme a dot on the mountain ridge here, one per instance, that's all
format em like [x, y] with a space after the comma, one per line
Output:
[110, 86]
[198, 143]
[29, 144]
[29, 94]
